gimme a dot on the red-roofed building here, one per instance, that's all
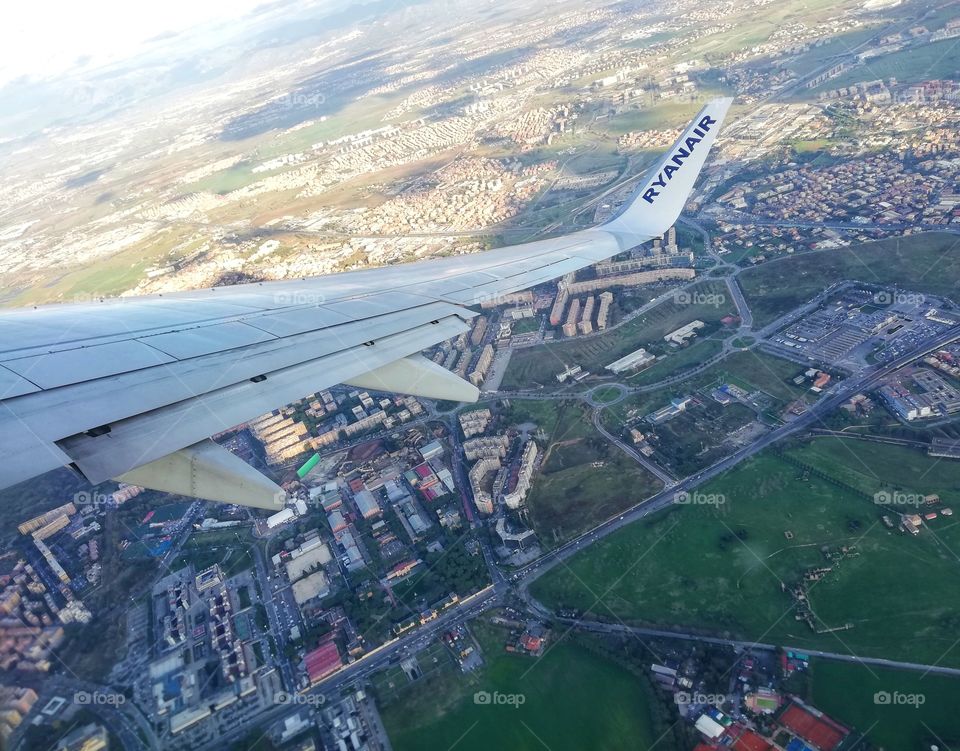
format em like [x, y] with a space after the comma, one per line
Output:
[423, 470]
[531, 643]
[402, 569]
[323, 661]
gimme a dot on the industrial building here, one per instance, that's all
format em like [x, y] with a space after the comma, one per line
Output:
[636, 359]
[684, 332]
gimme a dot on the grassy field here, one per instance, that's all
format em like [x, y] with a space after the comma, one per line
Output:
[847, 693]
[606, 394]
[677, 363]
[872, 467]
[601, 707]
[583, 479]
[926, 263]
[539, 365]
[229, 548]
[719, 568]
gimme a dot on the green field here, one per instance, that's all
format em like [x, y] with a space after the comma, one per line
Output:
[848, 693]
[230, 548]
[872, 467]
[719, 568]
[606, 394]
[926, 263]
[525, 325]
[540, 365]
[683, 360]
[571, 493]
[601, 706]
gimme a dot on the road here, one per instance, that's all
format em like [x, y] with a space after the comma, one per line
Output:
[374, 661]
[622, 629]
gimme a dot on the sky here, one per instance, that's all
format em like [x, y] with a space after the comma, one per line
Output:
[44, 38]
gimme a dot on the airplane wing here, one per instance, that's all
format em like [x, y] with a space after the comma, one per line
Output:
[132, 388]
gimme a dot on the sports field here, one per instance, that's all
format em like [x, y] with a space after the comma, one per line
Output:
[722, 567]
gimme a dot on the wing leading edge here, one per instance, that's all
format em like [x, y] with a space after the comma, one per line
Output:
[133, 388]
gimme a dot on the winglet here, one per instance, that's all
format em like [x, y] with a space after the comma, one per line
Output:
[656, 204]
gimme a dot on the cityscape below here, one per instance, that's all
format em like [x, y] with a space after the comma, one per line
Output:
[704, 499]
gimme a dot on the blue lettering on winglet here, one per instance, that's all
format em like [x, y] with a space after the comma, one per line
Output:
[675, 161]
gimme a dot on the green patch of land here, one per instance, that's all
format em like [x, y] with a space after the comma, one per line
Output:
[925, 263]
[677, 363]
[606, 394]
[722, 567]
[873, 467]
[230, 548]
[602, 706]
[583, 478]
[525, 325]
[851, 694]
[540, 365]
